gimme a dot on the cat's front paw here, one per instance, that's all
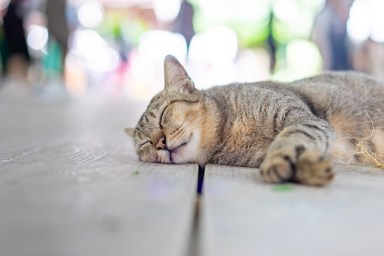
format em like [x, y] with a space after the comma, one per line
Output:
[163, 157]
[314, 169]
[295, 164]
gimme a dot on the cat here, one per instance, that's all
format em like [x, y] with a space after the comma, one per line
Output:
[291, 131]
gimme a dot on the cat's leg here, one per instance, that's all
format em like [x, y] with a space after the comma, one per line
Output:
[299, 154]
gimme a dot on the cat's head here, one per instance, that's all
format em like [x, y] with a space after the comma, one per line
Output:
[175, 128]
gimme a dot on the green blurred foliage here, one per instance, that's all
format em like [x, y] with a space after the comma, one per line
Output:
[249, 18]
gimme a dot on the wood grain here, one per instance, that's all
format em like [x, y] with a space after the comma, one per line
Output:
[243, 216]
[71, 184]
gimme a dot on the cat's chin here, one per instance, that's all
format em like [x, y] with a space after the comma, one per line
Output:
[180, 155]
[187, 152]
[184, 153]
[177, 156]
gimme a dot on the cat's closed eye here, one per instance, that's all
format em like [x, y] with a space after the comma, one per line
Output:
[145, 143]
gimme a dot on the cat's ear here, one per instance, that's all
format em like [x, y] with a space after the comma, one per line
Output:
[176, 78]
[129, 131]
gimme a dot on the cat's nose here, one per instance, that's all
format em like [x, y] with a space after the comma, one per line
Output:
[161, 144]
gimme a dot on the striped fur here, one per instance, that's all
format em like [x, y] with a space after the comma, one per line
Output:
[290, 131]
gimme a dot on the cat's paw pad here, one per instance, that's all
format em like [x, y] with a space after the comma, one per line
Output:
[314, 169]
[295, 164]
[276, 170]
[279, 166]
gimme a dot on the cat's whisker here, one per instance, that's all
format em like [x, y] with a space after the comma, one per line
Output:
[193, 124]
[190, 126]
[195, 109]
[198, 120]
[185, 122]
[189, 117]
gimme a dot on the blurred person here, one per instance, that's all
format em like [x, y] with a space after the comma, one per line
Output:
[3, 50]
[16, 54]
[271, 42]
[58, 27]
[124, 47]
[330, 34]
[183, 23]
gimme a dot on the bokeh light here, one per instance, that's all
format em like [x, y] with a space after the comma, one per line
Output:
[3, 4]
[119, 45]
[156, 44]
[303, 59]
[97, 55]
[90, 14]
[37, 37]
[358, 23]
[217, 46]
[366, 21]
[377, 21]
[166, 10]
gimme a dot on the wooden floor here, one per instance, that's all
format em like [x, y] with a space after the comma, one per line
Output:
[71, 185]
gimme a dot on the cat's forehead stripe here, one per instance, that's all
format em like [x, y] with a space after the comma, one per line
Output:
[138, 128]
[151, 114]
[156, 105]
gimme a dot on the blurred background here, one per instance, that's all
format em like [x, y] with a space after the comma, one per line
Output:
[117, 47]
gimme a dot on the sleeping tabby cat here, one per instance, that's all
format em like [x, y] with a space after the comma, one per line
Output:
[290, 131]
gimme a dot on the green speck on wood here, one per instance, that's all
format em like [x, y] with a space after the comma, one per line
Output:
[136, 172]
[282, 187]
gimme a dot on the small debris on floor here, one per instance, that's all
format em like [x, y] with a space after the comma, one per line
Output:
[282, 187]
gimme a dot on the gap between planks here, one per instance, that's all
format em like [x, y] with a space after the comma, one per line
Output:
[194, 246]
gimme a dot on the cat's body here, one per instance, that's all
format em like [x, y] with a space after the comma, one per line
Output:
[286, 129]
[255, 113]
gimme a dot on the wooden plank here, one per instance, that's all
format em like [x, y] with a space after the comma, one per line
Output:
[87, 194]
[22, 127]
[27, 124]
[243, 216]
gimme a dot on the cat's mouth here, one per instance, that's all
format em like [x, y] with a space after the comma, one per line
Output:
[176, 153]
